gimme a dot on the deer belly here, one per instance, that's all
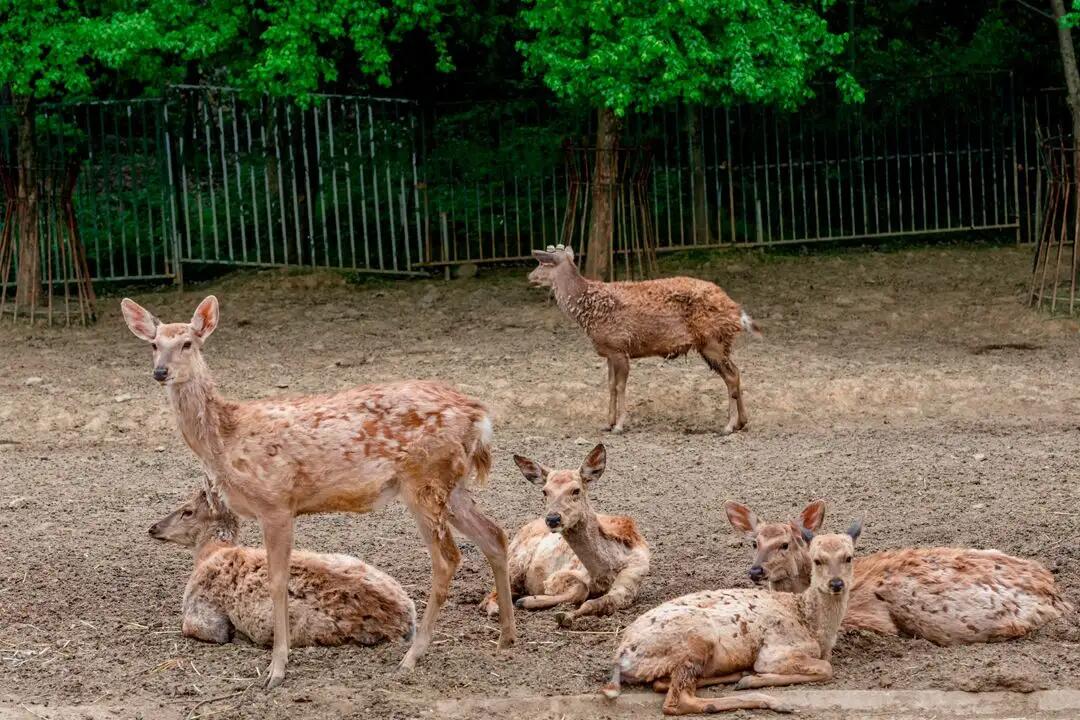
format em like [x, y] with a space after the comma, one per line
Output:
[551, 555]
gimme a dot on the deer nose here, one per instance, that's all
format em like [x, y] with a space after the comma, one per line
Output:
[757, 573]
[836, 585]
[161, 373]
[553, 520]
[153, 530]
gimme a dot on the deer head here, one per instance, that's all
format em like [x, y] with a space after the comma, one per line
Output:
[832, 557]
[565, 491]
[177, 346]
[194, 521]
[551, 260]
[779, 548]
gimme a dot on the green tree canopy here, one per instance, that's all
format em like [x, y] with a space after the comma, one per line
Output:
[625, 56]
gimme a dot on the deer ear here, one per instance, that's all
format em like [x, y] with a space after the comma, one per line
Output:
[594, 464]
[533, 471]
[813, 515]
[569, 253]
[139, 320]
[544, 257]
[855, 530]
[741, 517]
[205, 319]
[807, 535]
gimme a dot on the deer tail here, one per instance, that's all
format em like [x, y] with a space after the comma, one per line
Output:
[748, 324]
[480, 451]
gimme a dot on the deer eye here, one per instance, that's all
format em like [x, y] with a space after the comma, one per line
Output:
[187, 345]
[847, 559]
[819, 562]
[185, 514]
[753, 544]
[576, 492]
[153, 345]
[784, 546]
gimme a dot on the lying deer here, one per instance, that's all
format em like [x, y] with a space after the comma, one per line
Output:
[336, 599]
[949, 596]
[354, 451]
[573, 554]
[720, 636]
[654, 318]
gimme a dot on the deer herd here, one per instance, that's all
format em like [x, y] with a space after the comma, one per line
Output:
[429, 445]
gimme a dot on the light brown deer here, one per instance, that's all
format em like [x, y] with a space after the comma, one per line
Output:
[720, 636]
[653, 318]
[354, 451]
[573, 554]
[335, 599]
[949, 596]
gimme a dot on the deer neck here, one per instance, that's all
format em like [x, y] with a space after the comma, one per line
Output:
[214, 537]
[585, 540]
[822, 613]
[200, 412]
[571, 294]
[801, 579]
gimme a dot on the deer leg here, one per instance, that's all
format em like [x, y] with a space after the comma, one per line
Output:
[682, 698]
[205, 621]
[444, 562]
[613, 396]
[661, 686]
[621, 368]
[792, 669]
[565, 586]
[718, 357]
[278, 537]
[489, 537]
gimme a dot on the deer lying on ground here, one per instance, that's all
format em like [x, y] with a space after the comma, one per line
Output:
[949, 596]
[573, 554]
[336, 599]
[354, 451]
[720, 636]
[653, 318]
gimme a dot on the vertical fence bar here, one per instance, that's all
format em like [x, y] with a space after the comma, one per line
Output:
[225, 182]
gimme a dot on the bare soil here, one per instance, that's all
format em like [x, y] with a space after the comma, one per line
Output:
[912, 388]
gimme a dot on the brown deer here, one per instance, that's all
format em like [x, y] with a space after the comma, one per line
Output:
[653, 318]
[720, 636]
[354, 451]
[949, 596]
[573, 554]
[336, 599]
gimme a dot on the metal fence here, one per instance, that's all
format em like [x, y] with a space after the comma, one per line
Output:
[202, 175]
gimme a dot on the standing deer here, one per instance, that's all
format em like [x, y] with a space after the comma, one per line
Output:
[719, 636]
[949, 596]
[336, 599]
[573, 554]
[354, 451]
[653, 318]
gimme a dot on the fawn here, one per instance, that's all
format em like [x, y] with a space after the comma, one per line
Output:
[653, 318]
[719, 636]
[573, 554]
[949, 596]
[336, 599]
[354, 451]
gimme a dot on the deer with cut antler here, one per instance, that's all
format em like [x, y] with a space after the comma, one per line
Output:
[653, 318]
[354, 451]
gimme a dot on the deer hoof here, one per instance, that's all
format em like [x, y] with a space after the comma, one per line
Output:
[275, 678]
[507, 640]
[564, 619]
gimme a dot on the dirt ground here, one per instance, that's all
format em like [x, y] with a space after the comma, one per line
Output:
[912, 388]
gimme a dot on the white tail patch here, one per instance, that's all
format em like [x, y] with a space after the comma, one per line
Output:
[748, 324]
[484, 430]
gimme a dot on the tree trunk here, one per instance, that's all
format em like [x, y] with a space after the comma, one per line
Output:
[28, 280]
[598, 254]
[1072, 75]
[702, 230]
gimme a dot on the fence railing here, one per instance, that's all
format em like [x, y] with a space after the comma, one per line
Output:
[204, 176]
